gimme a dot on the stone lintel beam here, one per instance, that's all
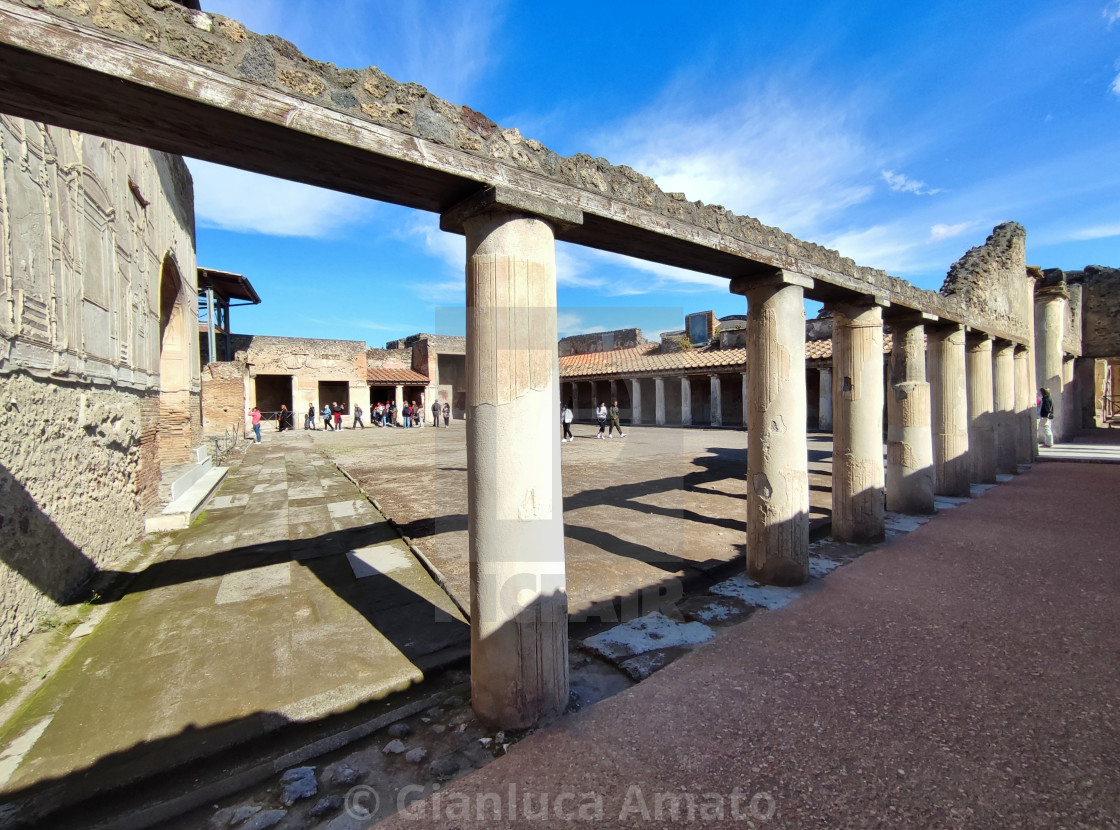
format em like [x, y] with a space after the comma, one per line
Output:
[775, 278]
[898, 315]
[509, 199]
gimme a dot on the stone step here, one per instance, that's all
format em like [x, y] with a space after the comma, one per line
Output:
[189, 477]
[184, 509]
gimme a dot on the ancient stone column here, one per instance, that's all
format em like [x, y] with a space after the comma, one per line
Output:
[857, 432]
[824, 417]
[398, 396]
[909, 431]
[981, 429]
[519, 618]
[1003, 368]
[686, 401]
[945, 355]
[744, 400]
[659, 401]
[717, 401]
[777, 449]
[614, 394]
[1051, 304]
[635, 401]
[1025, 437]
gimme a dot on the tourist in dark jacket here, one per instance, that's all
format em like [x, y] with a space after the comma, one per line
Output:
[1045, 418]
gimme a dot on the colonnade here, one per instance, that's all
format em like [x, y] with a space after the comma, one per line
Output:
[940, 436]
[633, 386]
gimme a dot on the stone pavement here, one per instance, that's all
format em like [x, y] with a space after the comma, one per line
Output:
[291, 598]
[966, 674]
[644, 516]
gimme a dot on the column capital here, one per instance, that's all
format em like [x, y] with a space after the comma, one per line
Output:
[777, 277]
[511, 200]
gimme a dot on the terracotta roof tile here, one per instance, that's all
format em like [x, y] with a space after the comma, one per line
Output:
[395, 376]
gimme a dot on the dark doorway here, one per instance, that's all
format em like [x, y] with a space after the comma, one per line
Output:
[273, 391]
[332, 391]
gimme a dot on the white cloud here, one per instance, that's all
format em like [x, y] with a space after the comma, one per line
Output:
[778, 155]
[1115, 86]
[569, 323]
[939, 231]
[236, 200]
[902, 183]
[1095, 232]
[1111, 12]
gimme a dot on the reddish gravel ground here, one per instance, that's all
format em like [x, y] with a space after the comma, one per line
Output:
[965, 676]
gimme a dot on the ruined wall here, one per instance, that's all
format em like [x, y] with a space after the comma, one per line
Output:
[1071, 337]
[389, 358]
[601, 341]
[81, 260]
[223, 398]
[1100, 309]
[308, 361]
[991, 280]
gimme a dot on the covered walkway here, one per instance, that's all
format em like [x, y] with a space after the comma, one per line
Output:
[966, 675]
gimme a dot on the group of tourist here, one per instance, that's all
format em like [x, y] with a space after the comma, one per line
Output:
[602, 414]
[383, 415]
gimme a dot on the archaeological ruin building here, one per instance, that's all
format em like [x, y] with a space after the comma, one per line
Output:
[105, 396]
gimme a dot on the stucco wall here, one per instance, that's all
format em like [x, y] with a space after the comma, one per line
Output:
[1100, 310]
[81, 259]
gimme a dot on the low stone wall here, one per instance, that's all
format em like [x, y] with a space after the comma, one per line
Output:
[72, 490]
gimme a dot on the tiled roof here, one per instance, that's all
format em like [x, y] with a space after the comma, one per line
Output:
[395, 376]
[648, 359]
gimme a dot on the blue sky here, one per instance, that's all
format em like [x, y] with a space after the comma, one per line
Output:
[898, 133]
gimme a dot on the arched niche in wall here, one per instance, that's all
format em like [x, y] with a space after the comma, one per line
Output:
[173, 433]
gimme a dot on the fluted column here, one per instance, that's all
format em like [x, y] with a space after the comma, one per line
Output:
[981, 431]
[945, 355]
[635, 401]
[1006, 427]
[909, 431]
[745, 425]
[824, 416]
[686, 401]
[1025, 436]
[659, 401]
[716, 401]
[857, 433]
[519, 654]
[1071, 422]
[777, 449]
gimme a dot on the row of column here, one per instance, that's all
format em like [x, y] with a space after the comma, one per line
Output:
[659, 407]
[965, 417]
[518, 608]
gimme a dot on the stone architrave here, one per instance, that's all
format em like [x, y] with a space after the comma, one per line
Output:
[635, 401]
[824, 411]
[1051, 305]
[945, 356]
[981, 427]
[519, 618]
[857, 432]
[909, 431]
[1026, 438]
[777, 446]
[659, 401]
[1006, 426]
[686, 401]
[717, 401]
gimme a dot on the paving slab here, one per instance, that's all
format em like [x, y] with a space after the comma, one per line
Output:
[257, 617]
[966, 674]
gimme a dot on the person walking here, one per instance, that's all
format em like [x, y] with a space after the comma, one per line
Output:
[601, 417]
[1046, 418]
[357, 418]
[435, 414]
[309, 421]
[406, 413]
[255, 414]
[566, 419]
[418, 415]
[393, 413]
[327, 416]
[613, 412]
[283, 418]
[447, 415]
[336, 414]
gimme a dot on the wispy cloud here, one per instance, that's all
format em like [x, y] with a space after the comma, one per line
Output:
[568, 323]
[1111, 12]
[939, 232]
[781, 155]
[1114, 87]
[902, 183]
[1095, 232]
[236, 200]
